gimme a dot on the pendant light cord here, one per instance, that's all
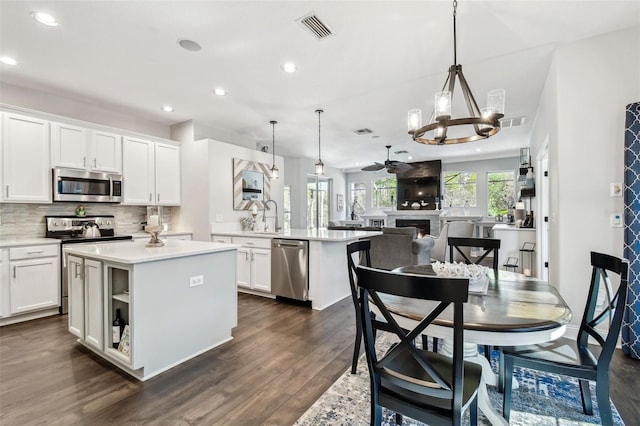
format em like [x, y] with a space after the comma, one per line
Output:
[319, 111]
[455, 53]
[273, 142]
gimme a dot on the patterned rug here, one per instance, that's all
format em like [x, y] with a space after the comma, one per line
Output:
[541, 399]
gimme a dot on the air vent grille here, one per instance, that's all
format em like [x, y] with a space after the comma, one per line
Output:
[364, 131]
[313, 23]
[512, 122]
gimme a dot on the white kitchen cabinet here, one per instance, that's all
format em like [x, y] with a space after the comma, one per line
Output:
[151, 173]
[76, 295]
[80, 148]
[26, 162]
[221, 239]
[94, 304]
[4, 290]
[34, 278]
[253, 263]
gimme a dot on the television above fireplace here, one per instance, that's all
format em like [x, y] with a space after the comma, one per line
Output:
[419, 185]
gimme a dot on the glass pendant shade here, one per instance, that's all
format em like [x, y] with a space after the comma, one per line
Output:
[319, 167]
[495, 101]
[414, 120]
[275, 173]
[442, 105]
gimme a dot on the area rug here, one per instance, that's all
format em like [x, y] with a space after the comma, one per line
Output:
[541, 399]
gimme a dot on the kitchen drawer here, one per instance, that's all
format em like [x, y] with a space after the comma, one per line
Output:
[221, 239]
[33, 251]
[252, 242]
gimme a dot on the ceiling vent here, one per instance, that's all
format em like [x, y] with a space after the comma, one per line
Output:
[402, 151]
[313, 23]
[512, 122]
[364, 131]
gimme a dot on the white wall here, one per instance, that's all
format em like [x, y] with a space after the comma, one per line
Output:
[582, 114]
[81, 110]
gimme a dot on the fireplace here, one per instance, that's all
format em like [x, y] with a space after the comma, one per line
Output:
[423, 225]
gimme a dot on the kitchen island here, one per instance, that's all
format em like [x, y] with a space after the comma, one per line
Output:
[327, 260]
[173, 302]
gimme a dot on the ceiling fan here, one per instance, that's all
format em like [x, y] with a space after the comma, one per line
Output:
[392, 166]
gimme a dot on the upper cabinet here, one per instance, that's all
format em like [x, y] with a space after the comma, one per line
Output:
[26, 163]
[84, 149]
[151, 172]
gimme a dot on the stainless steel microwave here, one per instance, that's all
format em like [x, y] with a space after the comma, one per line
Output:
[88, 187]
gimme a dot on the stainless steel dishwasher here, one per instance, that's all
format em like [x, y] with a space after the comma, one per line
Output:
[290, 269]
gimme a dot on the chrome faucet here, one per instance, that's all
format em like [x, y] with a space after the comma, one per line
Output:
[264, 215]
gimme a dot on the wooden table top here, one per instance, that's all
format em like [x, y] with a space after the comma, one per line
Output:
[513, 303]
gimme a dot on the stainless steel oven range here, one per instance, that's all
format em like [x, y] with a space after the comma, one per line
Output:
[78, 230]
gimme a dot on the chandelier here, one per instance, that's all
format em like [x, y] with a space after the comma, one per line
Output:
[485, 121]
[275, 173]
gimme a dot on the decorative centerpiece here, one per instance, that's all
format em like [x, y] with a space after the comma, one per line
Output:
[477, 274]
[154, 226]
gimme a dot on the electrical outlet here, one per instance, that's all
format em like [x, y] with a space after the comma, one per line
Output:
[615, 189]
[218, 217]
[196, 281]
[616, 220]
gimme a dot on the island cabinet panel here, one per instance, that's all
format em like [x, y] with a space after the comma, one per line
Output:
[174, 302]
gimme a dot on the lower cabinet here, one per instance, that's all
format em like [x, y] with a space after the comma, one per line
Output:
[97, 291]
[253, 263]
[29, 282]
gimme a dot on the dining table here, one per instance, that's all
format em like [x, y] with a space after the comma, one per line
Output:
[514, 310]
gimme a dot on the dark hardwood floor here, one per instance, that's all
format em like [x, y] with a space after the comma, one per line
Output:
[282, 358]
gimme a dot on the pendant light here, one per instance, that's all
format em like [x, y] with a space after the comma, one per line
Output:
[485, 121]
[319, 164]
[275, 173]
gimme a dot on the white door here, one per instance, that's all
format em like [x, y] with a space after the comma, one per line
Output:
[69, 146]
[34, 284]
[167, 176]
[243, 267]
[138, 171]
[106, 152]
[26, 162]
[75, 279]
[261, 270]
[94, 304]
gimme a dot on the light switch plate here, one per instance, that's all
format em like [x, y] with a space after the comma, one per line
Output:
[218, 217]
[616, 220]
[615, 189]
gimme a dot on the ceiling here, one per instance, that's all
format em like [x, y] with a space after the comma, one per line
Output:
[384, 58]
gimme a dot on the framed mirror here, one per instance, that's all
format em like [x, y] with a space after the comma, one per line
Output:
[249, 184]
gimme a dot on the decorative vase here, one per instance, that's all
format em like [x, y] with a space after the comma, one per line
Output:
[415, 205]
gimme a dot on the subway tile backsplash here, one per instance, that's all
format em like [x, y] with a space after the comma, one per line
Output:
[27, 220]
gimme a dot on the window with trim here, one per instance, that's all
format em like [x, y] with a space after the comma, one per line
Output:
[358, 197]
[287, 207]
[384, 192]
[459, 188]
[501, 189]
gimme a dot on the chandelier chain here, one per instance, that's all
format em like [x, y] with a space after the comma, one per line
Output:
[455, 50]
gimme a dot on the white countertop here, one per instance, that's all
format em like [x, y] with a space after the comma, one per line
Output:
[131, 252]
[28, 241]
[304, 234]
[505, 227]
[142, 234]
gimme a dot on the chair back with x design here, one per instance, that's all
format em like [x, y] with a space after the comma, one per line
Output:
[425, 385]
[489, 245]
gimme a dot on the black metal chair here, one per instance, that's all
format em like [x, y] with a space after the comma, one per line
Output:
[574, 357]
[488, 245]
[424, 385]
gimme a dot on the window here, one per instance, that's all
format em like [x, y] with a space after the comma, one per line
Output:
[318, 197]
[459, 188]
[501, 188]
[358, 198]
[384, 192]
[287, 208]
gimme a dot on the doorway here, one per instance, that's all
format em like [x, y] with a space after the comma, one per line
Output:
[318, 202]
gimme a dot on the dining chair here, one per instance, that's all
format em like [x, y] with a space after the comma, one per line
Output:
[574, 357]
[427, 386]
[489, 245]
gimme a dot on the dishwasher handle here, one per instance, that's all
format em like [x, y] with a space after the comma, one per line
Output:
[288, 244]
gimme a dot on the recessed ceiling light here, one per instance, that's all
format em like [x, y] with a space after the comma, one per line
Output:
[478, 150]
[409, 158]
[45, 18]
[167, 108]
[220, 92]
[289, 67]
[189, 45]
[8, 61]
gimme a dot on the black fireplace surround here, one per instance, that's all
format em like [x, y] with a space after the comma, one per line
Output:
[423, 225]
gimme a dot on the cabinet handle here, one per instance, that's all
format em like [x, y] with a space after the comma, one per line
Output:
[158, 198]
[35, 252]
[75, 266]
[14, 272]
[95, 162]
[7, 190]
[84, 161]
[246, 257]
[150, 197]
[249, 243]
